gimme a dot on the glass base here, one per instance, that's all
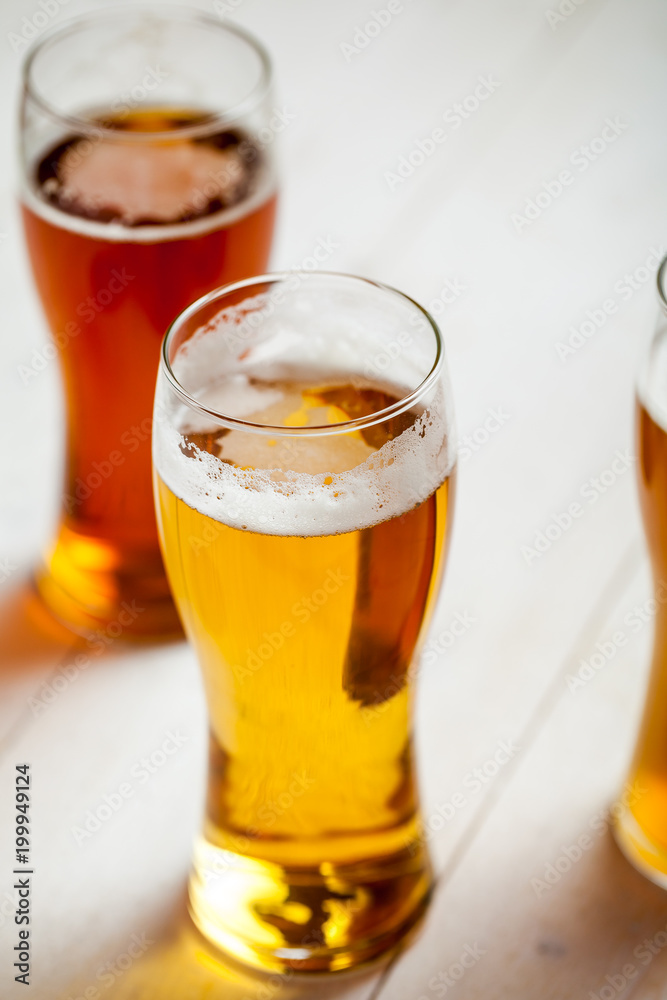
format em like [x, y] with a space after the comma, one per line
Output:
[101, 592]
[312, 919]
[643, 854]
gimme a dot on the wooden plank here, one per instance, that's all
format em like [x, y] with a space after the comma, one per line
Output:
[543, 894]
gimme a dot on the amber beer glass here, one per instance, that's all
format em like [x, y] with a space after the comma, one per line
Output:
[303, 454]
[148, 180]
[641, 826]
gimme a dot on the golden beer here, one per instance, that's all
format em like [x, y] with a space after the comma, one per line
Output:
[306, 625]
[642, 827]
[641, 813]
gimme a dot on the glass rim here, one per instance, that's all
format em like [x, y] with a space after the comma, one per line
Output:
[659, 279]
[316, 430]
[168, 12]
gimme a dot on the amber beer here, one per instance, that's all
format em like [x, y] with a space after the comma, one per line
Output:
[642, 827]
[127, 221]
[305, 589]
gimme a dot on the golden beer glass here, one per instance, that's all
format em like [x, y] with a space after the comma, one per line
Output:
[641, 820]
[304, 454]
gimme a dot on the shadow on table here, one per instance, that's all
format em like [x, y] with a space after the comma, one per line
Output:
[179, 964]
[600, 918]
[29, 636]
[35, 647]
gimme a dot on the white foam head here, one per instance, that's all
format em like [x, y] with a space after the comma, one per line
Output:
[115, 232]
[304, 482]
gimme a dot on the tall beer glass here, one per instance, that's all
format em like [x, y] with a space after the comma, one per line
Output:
[303, 457]
[147, 138]
[641, 825]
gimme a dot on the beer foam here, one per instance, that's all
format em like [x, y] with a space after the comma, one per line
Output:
[316, 335]
[349, 485]
[390, 482]
[263, 189]
[159, 182]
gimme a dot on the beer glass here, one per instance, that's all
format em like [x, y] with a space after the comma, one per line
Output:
[303, 454]
[641, 814]
[147, 163]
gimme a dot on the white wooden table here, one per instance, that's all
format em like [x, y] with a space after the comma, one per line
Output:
[507, 292]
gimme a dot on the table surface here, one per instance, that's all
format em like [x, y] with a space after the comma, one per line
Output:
[509, 292]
